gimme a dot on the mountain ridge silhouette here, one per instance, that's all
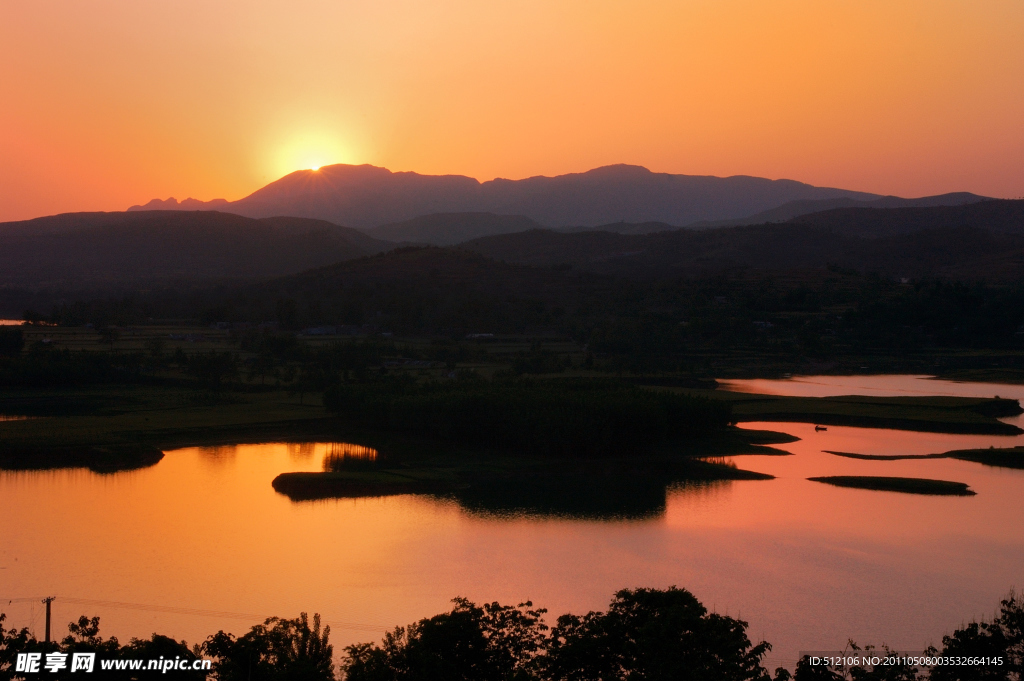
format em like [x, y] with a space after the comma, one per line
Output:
[367, 196]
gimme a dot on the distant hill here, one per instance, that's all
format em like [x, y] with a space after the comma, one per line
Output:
[978, 241]
[367, 196]
[438, 290]
[997, 216]
[793, 209]
[188, 204]
[102, 248]
[445, 229]
[624, 228]
[972, 241]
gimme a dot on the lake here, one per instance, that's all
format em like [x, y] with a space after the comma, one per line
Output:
[201, 542]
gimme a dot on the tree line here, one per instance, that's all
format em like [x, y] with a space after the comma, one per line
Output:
[644, 635]
[630, 323]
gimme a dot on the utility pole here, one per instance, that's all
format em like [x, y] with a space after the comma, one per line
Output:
[48, 600]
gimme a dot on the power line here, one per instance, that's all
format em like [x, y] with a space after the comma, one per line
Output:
[195, 612]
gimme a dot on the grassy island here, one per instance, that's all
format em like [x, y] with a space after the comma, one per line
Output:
[1006, 457]
[630, 487]
[924, 414]
[906, 485]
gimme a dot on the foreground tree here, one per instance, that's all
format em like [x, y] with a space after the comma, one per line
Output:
[653, 635]
[1003, 637]
[805, 671]
[646, 635]
[12, 642]
[492, 642]
[277, 650]
[84, 637]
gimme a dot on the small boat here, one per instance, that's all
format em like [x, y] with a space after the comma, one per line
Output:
[820, 428]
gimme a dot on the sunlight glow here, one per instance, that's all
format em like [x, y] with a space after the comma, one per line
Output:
[310, 150]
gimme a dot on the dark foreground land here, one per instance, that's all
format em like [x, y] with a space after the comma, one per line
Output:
[646, 634]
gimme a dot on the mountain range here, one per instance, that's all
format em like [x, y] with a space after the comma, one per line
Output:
[446, 209]
[982, 240]
[620, 220]
[366, 197]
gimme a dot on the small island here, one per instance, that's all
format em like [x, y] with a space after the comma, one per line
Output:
[1002, 457]
[905, 485]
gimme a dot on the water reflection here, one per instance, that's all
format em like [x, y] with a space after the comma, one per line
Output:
[595, 497]
[218, 455]
[595, 489]
[641, 495]
[301, 450]
[349, 456]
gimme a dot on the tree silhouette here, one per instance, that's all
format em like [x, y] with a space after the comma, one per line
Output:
[654, 635]
[491, 642]
[277, 650]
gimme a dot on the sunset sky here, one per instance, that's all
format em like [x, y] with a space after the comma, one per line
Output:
[108, 103]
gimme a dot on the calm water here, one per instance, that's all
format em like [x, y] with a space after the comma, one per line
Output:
[203, 541]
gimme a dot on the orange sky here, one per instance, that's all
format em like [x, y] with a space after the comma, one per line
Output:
[107, 103]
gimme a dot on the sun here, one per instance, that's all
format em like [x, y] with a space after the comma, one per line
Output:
[309, 151]
[315, 160]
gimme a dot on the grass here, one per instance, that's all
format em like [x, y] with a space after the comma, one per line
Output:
[905, 485]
